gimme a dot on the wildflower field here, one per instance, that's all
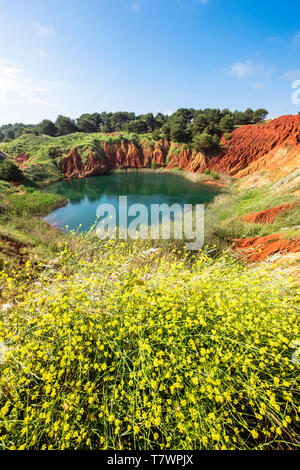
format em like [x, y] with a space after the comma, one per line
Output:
[131, 346]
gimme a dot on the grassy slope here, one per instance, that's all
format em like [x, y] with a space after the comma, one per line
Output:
[43, 168]
[224, 223]
[21, 224]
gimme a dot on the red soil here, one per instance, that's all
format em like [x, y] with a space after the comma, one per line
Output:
[269, 215]
[16, 185]
[274, 145]
[22, 158]
[259, 248]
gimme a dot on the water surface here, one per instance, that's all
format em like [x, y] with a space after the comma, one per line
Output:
[86, 194]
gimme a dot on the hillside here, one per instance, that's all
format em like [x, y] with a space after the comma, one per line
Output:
[263, 158]
[272, 147]
[143, 345]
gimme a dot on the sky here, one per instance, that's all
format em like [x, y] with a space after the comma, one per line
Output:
[72, 56]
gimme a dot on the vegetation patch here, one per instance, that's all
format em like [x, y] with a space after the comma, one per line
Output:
[103, 351]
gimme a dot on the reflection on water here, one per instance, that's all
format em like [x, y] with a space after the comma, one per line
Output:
[86, 194]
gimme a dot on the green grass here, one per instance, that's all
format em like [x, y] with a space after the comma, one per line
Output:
[31, 203]
[224, 217]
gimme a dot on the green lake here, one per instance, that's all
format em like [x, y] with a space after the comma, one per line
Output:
[86, 194]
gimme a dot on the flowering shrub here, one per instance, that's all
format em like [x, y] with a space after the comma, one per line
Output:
[127, 346]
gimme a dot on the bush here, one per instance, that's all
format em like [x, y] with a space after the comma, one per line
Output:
[212, 173]
[155, 353]
[9, 170]
[206, 143]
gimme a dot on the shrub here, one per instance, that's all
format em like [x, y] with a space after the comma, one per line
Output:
[129, 347]
[9, 170]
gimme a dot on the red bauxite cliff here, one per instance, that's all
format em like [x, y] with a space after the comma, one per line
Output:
[273, 146]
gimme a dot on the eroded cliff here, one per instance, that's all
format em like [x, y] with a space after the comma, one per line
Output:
[272, 147]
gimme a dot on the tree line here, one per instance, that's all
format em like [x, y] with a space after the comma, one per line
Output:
[202, 127]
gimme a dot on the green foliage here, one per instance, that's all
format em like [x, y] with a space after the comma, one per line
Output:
[31, 203]
[89, 122]
[47, 127]
[119, 345]
[206, 143]
[9, 170]
[227, 123]
[227, 136]
[214, 175]
[259, 115]
[181, 126]
[46, 172]
[65, 125]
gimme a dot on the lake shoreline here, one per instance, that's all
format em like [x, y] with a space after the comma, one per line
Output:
[190, 176]
[147, 184]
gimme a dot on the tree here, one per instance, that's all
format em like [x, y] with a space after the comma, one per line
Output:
[65, 125]
[239, 118]
[166, 130]
[213, 129]
[9, 135]
[199, 123]
[118, 119]
[206, 143]
[47, 127]
[227, 123]
[139, 126]
[160, 120]
[89, 122]
[260, 115]
[178, 132]
[249, 115]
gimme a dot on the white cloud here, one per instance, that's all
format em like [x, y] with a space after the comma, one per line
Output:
[16, 87]
[248, 68]
[40, 52]
[243, 69]
[292, 74]
[43, 30]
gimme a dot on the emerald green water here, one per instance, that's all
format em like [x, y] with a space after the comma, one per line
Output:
[86, 194]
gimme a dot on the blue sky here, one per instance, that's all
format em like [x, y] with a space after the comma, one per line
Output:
[75, 56]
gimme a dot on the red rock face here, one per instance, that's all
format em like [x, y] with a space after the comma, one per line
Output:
[71, 166]
[156, 153]
[94, 166]
[250, 144]
[274, 146]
